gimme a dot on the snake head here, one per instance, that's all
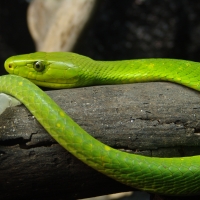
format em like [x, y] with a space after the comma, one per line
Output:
[53, 70]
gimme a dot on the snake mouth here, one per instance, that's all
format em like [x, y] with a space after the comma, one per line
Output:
[53, 85]
[9, 66]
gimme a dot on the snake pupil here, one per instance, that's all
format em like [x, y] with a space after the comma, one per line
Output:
[38, 66]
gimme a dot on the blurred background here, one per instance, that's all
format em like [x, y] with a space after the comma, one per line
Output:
[101, 29]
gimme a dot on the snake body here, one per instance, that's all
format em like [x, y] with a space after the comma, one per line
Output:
[169, 176]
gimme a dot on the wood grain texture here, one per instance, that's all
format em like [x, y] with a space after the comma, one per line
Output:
[155, 119]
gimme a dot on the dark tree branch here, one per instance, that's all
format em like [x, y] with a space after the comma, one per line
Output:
[155, 119]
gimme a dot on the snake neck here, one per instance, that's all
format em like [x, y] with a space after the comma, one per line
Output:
[142, 70]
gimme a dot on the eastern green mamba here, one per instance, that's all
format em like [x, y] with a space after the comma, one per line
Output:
[169, 176]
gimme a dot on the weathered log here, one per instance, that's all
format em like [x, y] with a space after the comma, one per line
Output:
[155, 119]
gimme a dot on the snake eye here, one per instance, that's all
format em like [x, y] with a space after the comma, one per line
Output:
[39, 66]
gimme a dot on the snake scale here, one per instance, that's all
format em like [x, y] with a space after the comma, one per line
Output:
[169, 176]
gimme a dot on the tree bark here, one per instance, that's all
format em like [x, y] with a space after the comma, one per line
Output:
[154, 119]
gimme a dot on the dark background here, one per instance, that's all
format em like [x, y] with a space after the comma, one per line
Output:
[117, 30]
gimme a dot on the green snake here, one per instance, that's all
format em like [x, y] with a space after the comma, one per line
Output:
[169, 176]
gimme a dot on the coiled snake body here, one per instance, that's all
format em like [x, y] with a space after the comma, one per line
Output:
[170, 176]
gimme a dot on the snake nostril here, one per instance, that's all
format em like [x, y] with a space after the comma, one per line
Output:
[9, 66]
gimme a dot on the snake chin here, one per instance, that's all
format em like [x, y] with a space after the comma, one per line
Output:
[54, 85]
